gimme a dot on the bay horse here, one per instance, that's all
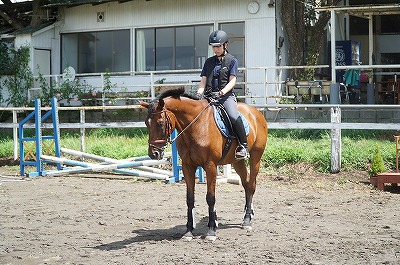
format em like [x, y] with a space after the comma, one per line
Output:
[200, 143]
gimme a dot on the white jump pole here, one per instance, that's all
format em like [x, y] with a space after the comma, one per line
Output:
[156, 170]
[116, 161]
[130, 172]
[138, 173]
[104, 159]
[90, 167]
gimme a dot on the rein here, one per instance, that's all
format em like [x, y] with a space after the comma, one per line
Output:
[168, 128]
[193, 121]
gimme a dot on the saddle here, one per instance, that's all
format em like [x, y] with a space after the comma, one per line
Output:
[225, 126]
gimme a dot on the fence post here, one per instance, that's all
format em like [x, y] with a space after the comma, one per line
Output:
[336, 141]
[335, 93]
[370, 94]
[82, 130]
[15, 133]
[152, 89]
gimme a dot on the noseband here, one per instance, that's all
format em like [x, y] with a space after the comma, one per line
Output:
[167, 127]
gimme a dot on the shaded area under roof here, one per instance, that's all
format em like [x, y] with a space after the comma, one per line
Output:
[365, 10]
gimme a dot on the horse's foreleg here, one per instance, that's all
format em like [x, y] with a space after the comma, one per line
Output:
[189, 176]
[211, 174]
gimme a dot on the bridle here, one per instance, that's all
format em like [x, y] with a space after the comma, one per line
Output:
[169, 127]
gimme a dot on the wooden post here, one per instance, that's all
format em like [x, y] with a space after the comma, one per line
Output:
[397, 137]
[336, 141]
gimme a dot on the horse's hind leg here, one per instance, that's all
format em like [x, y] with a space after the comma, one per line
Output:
[249, 185]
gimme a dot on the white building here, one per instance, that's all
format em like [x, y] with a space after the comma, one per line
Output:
[143, 37]
[159, 35]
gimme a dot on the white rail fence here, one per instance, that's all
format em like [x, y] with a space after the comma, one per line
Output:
[335, 124]
[270, 83]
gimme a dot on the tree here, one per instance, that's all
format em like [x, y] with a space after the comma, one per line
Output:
[23, 14]
[39, 13]
[304, 30]
[9, 14]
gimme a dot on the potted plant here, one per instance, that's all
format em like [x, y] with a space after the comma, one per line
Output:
[376, 166]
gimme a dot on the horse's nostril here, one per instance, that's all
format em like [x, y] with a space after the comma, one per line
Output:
[156, 154]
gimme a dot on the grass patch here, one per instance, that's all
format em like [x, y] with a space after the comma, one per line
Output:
[284, 146]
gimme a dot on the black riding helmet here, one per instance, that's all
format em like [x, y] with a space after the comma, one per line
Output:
[217, 38]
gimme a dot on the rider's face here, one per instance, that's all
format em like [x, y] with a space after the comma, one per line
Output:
[218, 50]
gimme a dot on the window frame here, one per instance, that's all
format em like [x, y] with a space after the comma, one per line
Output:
[174, 48]
[74, 57]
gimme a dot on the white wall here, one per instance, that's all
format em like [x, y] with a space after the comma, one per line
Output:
[159, 13]
[259, 28]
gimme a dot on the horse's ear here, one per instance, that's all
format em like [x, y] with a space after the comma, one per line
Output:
[144, 104]
[160, 104]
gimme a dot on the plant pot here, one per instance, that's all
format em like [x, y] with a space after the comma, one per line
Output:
[373, 181]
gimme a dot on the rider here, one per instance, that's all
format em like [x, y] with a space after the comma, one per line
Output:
[218, 77]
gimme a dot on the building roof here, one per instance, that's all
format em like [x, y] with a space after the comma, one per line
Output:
[81, 2]
[31, 29]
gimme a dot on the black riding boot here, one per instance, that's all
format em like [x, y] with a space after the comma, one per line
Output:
[242, 151]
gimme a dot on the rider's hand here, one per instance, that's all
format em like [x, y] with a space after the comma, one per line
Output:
[198, 96]
[214, 95]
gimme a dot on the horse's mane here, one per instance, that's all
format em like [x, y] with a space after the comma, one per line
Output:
[176, 92]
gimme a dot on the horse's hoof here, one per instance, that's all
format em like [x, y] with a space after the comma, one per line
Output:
[247, 227]
[188, 236]
[211, 235]
[210, 238]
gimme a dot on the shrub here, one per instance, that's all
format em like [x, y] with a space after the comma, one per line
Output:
[376, 165]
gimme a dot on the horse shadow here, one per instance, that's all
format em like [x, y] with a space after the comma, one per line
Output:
[156, 235]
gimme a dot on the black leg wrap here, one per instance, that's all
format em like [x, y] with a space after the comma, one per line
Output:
[212, 220]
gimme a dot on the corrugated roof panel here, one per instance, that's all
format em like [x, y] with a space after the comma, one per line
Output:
[31, 29]
[80, 2]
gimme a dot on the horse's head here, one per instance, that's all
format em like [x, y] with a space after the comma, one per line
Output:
[160, 126]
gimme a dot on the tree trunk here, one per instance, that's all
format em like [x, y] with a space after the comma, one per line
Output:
[38, 13]
[293, 22]
[293, 14]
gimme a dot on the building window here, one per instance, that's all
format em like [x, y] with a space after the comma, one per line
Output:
[172, 48]
[96, 52]
[236, 35]
[236, 47]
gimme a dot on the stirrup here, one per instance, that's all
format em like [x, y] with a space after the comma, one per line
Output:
[241, 152]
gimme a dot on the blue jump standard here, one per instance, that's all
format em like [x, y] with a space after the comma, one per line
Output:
[38, 138]
[39, 161]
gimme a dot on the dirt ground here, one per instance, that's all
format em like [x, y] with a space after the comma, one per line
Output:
[301, 218]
